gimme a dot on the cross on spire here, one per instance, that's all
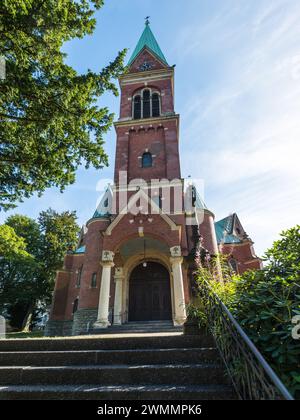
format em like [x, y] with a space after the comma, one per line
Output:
[147, 21]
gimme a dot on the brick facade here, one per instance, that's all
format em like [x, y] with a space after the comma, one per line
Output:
[125, 237]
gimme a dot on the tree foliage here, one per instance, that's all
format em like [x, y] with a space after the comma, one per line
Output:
[27, 229]
[59, 233]
[49, 119]
[27, 277]
[11, 245]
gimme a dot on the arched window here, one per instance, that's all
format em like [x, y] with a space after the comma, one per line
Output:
[155, 105]
[78, 279]
[147, 160]
[94, 280]
[137, 111]
[146, 104]
[75, 305]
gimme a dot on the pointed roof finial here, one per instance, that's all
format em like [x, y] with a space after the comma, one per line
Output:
[147, 40]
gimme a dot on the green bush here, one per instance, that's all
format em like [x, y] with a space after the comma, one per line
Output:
[264, 307]
[264, 303]
[196, 313]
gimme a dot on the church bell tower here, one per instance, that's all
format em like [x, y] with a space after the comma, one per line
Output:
[147, 130]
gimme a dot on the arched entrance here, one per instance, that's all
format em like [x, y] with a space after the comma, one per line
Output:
[149, 293]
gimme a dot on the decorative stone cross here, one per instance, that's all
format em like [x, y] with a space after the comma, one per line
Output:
[175, 251]
[107, 256]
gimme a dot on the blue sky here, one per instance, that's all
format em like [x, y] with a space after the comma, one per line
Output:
[238, 93]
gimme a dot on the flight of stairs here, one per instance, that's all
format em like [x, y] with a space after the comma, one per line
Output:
[165, 366]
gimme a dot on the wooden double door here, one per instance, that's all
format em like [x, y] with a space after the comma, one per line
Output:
[150, 293]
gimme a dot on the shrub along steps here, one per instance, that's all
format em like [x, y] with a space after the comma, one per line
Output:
[170, 366]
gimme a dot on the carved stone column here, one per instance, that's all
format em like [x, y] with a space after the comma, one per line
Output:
[119, 281]
[103, 307]
[179, 299]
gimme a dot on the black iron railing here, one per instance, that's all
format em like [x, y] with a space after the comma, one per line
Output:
[251, 375]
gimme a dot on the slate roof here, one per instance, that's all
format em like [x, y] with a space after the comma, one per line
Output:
[147, 40]
[224, 231]
[80, 250]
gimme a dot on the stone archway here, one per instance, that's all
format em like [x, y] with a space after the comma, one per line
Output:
[149, 293]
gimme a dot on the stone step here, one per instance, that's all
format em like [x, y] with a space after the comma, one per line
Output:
[149, 323]
[175, 374]
[108, 342]
[136, 330]
[110, 393]
[140, 327]
[108, 357]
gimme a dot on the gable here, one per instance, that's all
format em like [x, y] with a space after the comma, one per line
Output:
[230, 230]
[140, 195]
[146, 56]
[224, 231]
[237, 228]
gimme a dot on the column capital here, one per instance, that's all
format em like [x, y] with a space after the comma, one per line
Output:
[176, 260]
[119, 274]
[107, 264]
[175, 251]
[107, 256]
[103, 306]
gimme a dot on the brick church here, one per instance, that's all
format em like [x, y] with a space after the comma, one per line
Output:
[136, 255]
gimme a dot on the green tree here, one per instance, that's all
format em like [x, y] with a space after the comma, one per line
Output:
[11, 245]
[29, 230]
[49, 119]
[284, 256]
[26, 281]
[59, 235]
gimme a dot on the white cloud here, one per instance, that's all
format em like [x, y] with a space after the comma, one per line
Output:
[246, 122]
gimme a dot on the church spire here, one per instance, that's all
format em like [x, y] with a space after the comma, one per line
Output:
[147, 40]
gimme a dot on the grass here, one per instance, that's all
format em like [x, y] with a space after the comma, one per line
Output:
[40, 335]
[31, 334]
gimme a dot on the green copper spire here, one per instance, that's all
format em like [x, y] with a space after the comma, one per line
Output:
[147, 40]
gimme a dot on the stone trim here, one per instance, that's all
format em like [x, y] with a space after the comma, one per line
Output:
[246, 242]
[158, 74]
[97, 219]
[134, 198]
[251, 261]
[152, 120]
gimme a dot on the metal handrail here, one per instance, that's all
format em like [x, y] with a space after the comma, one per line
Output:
[279, 386]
